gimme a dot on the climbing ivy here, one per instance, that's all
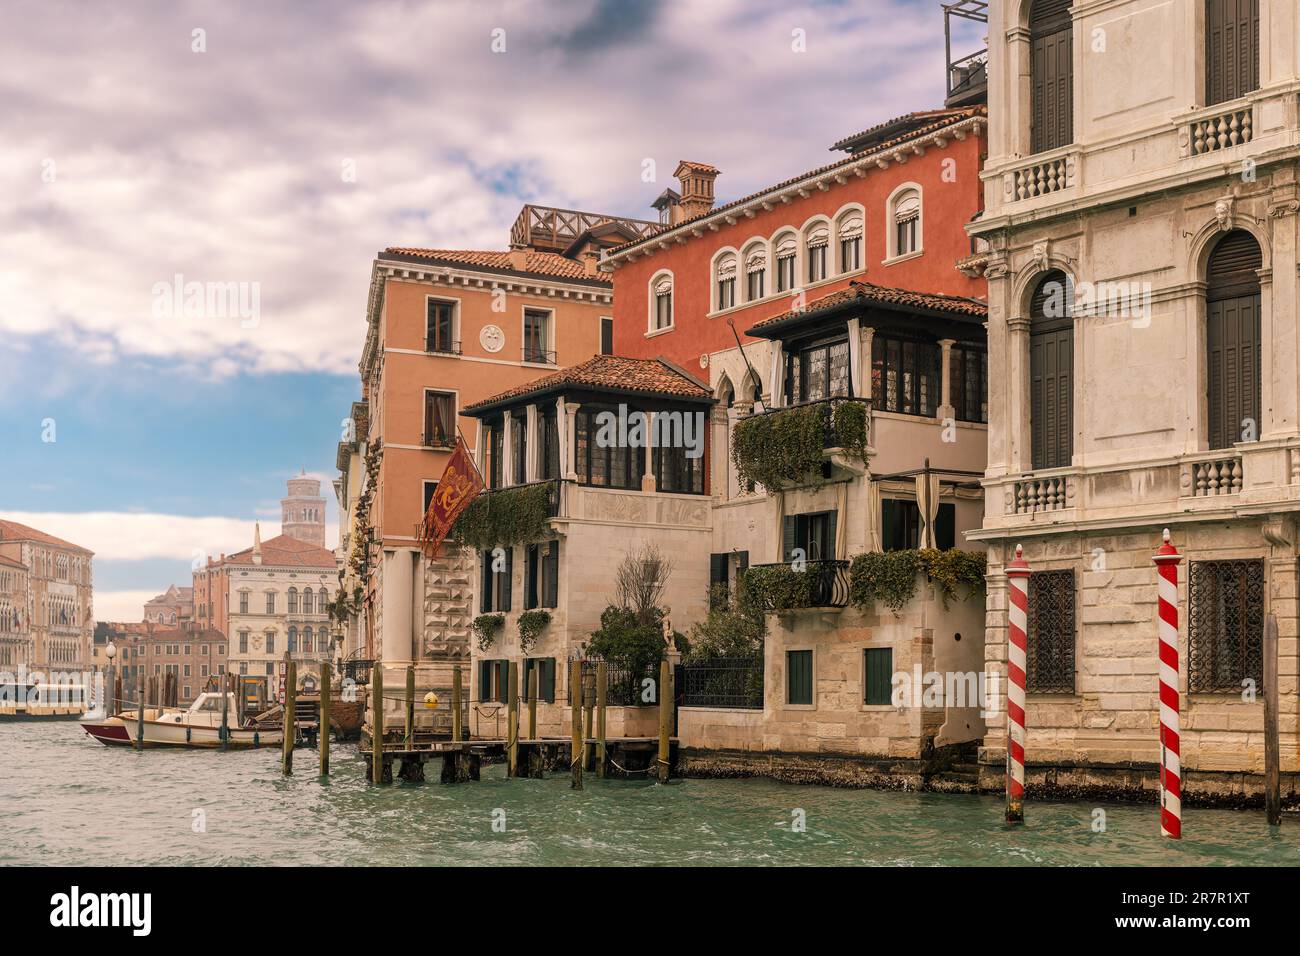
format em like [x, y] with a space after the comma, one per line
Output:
[889, 577]
[787, 446]
[486, 626]
[531, 624]
[504, 517]
[779, 587]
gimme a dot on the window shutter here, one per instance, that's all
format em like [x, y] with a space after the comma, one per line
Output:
[503, 681]
[1231, 49]
[530, 577]
[485, 602]
[1233, 337]
[547, 680]
[798, 677]
[508, 577]
[879, 667]
[888, 524]
[1052, 74]
[945, 527]
[484, 680]
[1051, 375]
[717, 570]
[788, 537]
[552, 560]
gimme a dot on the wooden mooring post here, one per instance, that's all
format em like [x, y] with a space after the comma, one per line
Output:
[575, 724]
[535, 759]
[665, 716]
[377, 723]
[323, 723]
[410, 706]
[1272, 752]
[139, 714]
[456, 697]
[602, 691]
[290, 716]
[512, 721]
[589, 705]
[226, 684]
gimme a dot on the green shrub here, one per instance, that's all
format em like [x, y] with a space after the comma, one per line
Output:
[486, 627]
[504, 517]
[733, 628]
[786, 446]
[531, 624]
[889, 577]
[779, 587]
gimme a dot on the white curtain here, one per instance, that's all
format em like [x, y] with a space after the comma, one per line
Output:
[855, 356]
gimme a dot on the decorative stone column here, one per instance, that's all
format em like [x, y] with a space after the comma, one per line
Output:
[946, 408]
[568, 438]
[533, 445]
[648, 478]
[866, 339]
[720, 470]
[507, 450]
[1020, 454]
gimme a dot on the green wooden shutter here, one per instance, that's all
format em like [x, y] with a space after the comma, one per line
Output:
[503, 681]
[530, 577]
[879, 667]
[484, 680]
[547, 680]
[485, 599]
[788, 538]
[799, 677]
[508, 578]
[552, 561]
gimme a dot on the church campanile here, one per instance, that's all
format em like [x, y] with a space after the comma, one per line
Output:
[302, 512]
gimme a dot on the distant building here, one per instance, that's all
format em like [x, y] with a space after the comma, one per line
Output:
[174, 607]
[126, 638]
[15, 613]
[59, 595]
[192, 655]
[302, 512]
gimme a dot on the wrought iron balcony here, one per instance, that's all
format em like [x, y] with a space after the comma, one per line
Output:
[785, 587]
[442, 346]
[538, 356]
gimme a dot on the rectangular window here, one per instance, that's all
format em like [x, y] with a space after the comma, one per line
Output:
[817, 262]
[1051, 638]
[754, 287]
[270, 668]
[243, 602]
[537, 337]
[784, 273]
[243, 643]
[906, 236]
[550, 443]
[494, 447]
[878, 675]
[675, 472]
[799, 677]
[968, 383]
[904, 375]
[270, 643]
[606, 336]
[519, 447]
[270, 602]
[818, 371]
[851, 254]
[495, 585]
[900, 525]
[813, 534]
[1225, 627]
[726, 293]
[1231, 49]
[439, 419]
[541, 575]
[611, 466]
[663, 310]
[545, 667]
[440, 324]
[430, 487]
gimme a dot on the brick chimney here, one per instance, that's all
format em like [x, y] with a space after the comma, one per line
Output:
[697, 189]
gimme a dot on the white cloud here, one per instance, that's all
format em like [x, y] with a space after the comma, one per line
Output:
[121, 605]
[132, 536]
[226, 165]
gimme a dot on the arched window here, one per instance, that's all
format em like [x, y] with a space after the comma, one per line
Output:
[661, 301]
[1051, 371]
[308, 640]
[1232, 338]
[850, 237]
[818, 240]
[307, 601]
[786, 249]
[1051, 45]
[905, 215]
[1231, 49]
[293, 639]
[725, 282]
[293, 600]
[755, 272]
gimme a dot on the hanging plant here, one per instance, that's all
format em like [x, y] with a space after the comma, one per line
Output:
[889, 577]
[486, 626]
[505, 517]
[531, 625]
[779, 587]
[787, 446]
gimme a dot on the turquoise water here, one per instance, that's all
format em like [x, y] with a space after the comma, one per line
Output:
[66, 799]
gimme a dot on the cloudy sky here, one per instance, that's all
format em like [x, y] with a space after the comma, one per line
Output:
[279, 146]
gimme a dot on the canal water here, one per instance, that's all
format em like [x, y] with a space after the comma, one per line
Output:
[67, 800]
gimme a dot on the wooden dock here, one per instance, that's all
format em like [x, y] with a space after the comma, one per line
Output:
[625, 757]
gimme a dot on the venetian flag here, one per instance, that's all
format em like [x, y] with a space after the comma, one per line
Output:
[459, 485]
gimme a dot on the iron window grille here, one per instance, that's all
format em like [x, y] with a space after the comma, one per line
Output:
[1051, 637]
[1225, 626]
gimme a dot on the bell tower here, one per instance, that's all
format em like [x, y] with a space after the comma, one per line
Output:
[302, 512]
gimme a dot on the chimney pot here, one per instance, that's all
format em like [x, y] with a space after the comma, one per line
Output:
[697, 189]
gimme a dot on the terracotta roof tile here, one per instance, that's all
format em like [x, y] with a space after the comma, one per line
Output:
[283, 550]
[635, 375]
[946, 118]
[899, 126]
[866, 293]
[550, 264]
[13, 531]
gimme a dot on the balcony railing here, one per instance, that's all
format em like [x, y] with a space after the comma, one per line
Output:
[1209, 134]
[538, 356]
[789, 587]
[1041, 494]
[1040, 178]
[554, 493]
[735, 682]
[1215, 476]
[442, 346]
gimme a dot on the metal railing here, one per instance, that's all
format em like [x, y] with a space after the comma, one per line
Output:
[625, 684]
[735, 682]
[538, 356]
[822, 583]
[443, 347]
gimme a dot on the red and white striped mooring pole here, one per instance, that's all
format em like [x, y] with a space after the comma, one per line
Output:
[1171, 771]
[1017, 661]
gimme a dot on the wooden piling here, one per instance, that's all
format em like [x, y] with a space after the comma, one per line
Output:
[1272, 752]
[410, 706]
[139, 714]
[377, 723]
[456, 698]
[602, 691]
[665, 716]
[534, 749]
[323, 723]
[118, 702]
[575, 724]
[589, 704]
[290, 717]
[226, 685]
[512, 721]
